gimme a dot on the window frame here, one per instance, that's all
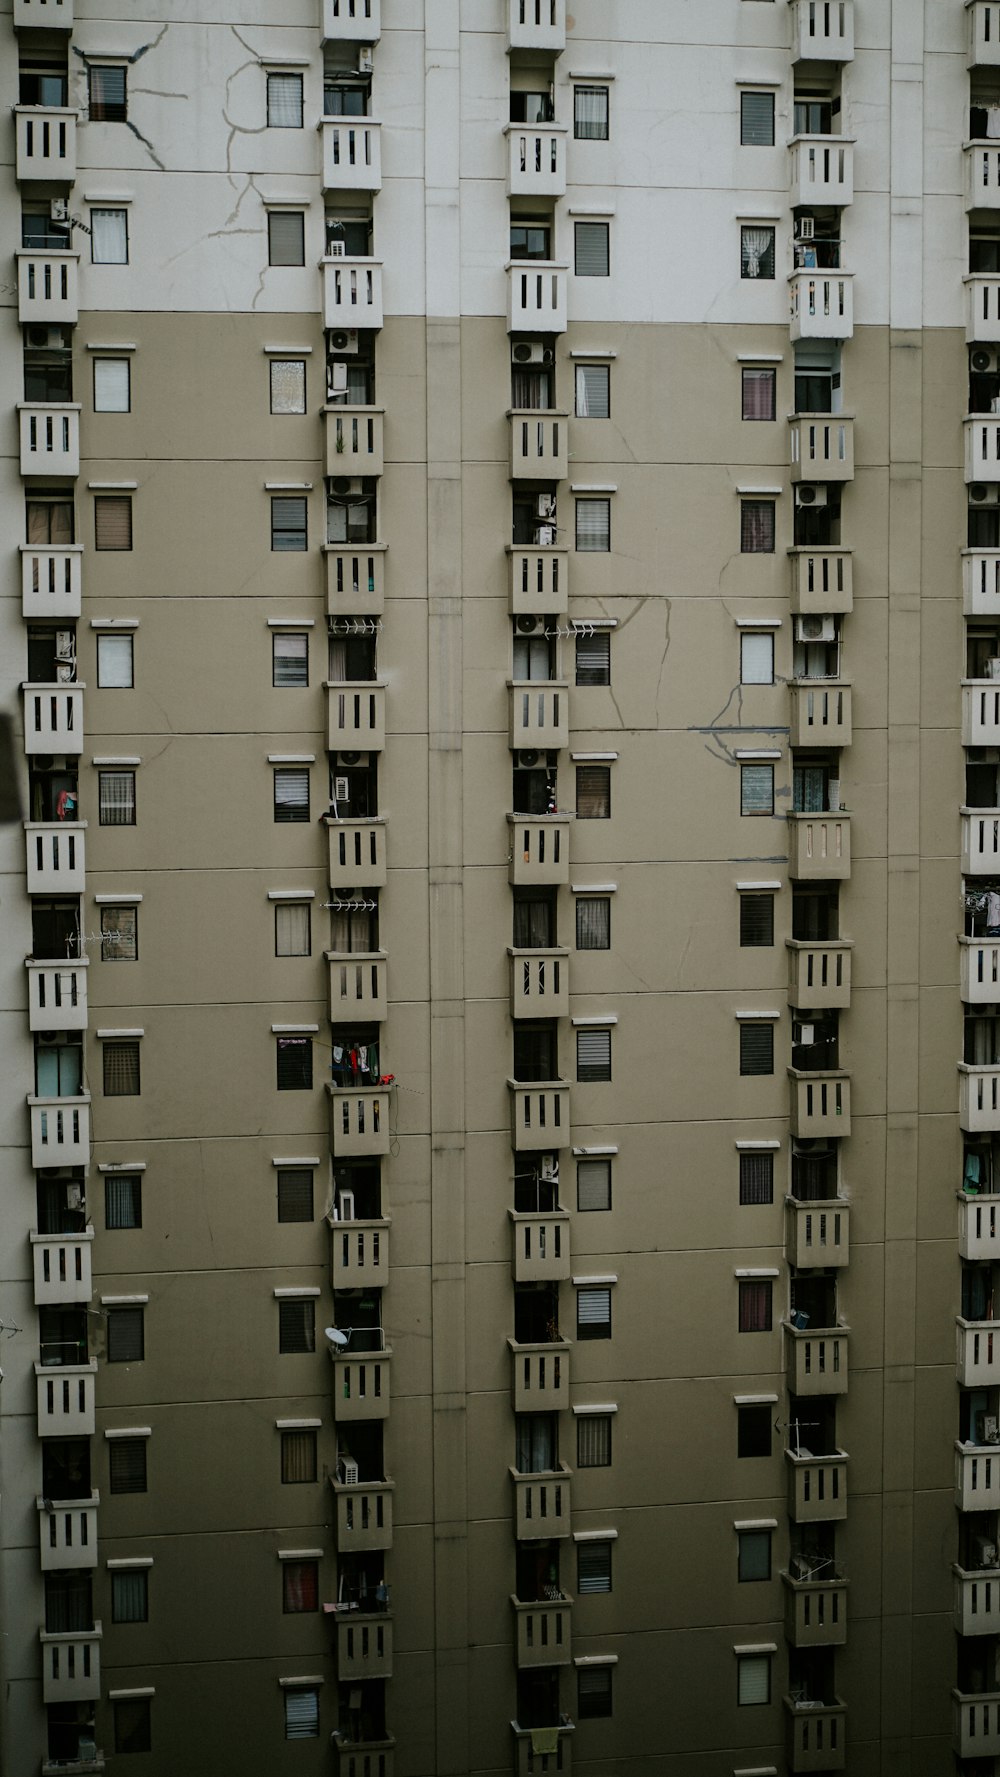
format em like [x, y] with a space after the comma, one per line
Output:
[755, 1304]
[756, 917]
[298, 533]
[759, 132]
[109, 512]
[303, 1690]
[112, 1223]
[597, 671]
[274, 217]
[289, 1044]
[277, 363]
[296, 1339]
[601, 922]
[765, 260]
[755, 375]
[124, 643]
[121, 1062]
[592, 89]
[291, 80]
[582, 410]
[128, 1344]
[595, 1552]
[756, 1054]
[108, 932]
[587, 234]
[744, 1663]
[750, 640]
[596, 1685]
[299, 1438]
[758, 513]
[283, 1175]
[282, 663]
[755, 1192]
[594, 1326]
[137, 1712]
[108, 805]
[101, 362]
[752, 805]
[120, 1448]
[751, 1418]
[138, 1576]
[597, 1070]
[595, 1428]
[104, 109]
[588, 1161]
[595, 541]
[299, 1578]
[760, 1540]
[299, 810]
[598, 792]
[101, 234]
[284, 907]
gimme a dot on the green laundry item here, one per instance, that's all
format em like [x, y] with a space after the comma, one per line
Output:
[544, 1740]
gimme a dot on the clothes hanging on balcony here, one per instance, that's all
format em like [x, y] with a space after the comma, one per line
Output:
[544, 1740]
[993, 912]
[972, 1172]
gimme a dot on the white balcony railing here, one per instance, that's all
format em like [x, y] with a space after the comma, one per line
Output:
[40, 15]
[821, 713]
[537, 24]
[55, 857]
[358, 986]
[355, 716]
[66, 1399]
[50, 438]
[355, 579]
[539, 849]
[359, 1254]
[539, 983]
[61, 1265]
[539, 715]
[352, 294]
[822, 170]
[977, 1477]
[819, 975]
[67, 1532]
[977, 1601]
[364, 1515]
[822, 582]
[978, 1098]
[981, 841]
[47, 288]
[821, 304]
[51, 582]
[71, 1666]
[57, 994]
[984, 33]
[823, 30]
[354, 444]
[980, 712]
[539, 581]
[352, 154]
[977, 1724]
[978, 1227]
[361, 1384]
[60, 1131]
[53, 719]
[352, 21]
[819, 847]
[822, 447]
[359, 1120]
[536, 294]
[982, 176]
[538, 446]
[982, 447]
[539, 1116]
[536, 160]
[977, 1356]
[540, 1376]
[817, 1486]
[979, 962]
[46, 144]
[981, 582]
[541, 1505]
[820, 1103]
[982, 308]
[539, 1246]
[357, 854]
[818, 1234]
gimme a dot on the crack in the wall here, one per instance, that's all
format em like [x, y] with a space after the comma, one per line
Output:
[137, 54]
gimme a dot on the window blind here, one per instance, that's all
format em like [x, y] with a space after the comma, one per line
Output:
[298, 1457]
[295, 1194]
[112, 521]
[756, 1048]
[291, 795]
[593, 1184]
[593, 525]
[593, 1312]
[593, 1567]
[127, 1464]
[107, 95]
[756, 789]
[109, 237]
[593, 659]
[121, 1068]
[593, 1055]
[284, 101]
[754, 1684]
[126, 1335]
[290, 660]
[286, 237]
[593, 792]
[593, 252]
[756, 1178]
[123, 1201]
[757, 120]
[593, 391]
[130, 1596]
[593, 922]
[759, 394]
[288, 524]
[114, 663]
[757, 657]
[756, 922]
[593, 1441]
[111, 385]
[116, 798]
[291, 929]
[301, 1715]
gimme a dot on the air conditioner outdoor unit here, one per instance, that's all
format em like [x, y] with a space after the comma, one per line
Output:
[350, 759]
[344, 339]
[527, 761]
[983, 361]
[346, 487]
[984, 493]
[65, 645]
[811, 493]
[59, 209]
[984, 1551]
[341, 790]
[336, 378]
[527, 626]
[546, 506]
[65, 672]
[815, 629]
[804, 1034]
[345, 1206]
[530, 351]
[51, 339]
[348, 1471]
[548, 1169]
[545, 536]
[366, 59]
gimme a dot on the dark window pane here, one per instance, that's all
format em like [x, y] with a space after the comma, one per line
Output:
[126, 1335]
[127, 1461]
[757, 527]
[300, 1586]
[756, 1178]
[121, 1068]
[754, 1561]
[297, 1324]
[753, 1429]
[593, 1440]
[593, 659]
[756, 1048]
[593, 792]
[132, 1724]
[757, 120]
[755, 1304]
[594, 1691]
[298, 1457]
[756, 921]
[295, 1194]
[295, 1064]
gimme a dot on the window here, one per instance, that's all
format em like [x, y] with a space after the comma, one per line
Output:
[297, 1324]
[112, 521]
[593, 792]
[593, 526]
[116, 798]
[756, 1178]
[299, 1586]
[593, 1312]
[107, 94]
[130, 1595]
[112, 385]
[593, 658]
[593, 1184]
[756, 922]
[757, 120]
[301, 1714]
[757, 527]
[593, 922]
[755, 1305]
[593, 249]
[593, 1440]
[298, 1457]
[759, 394]
[593, 1567]
[115, 663]
[295, 1194]
[48, 518]
[590, 113]
[756, 252]
[753, 1429]
[295, 1064]
[286, 237]
[753, 1679]
[593, 1691]
[123, 1200]
[530, 239]
[292, 935]
[288, 385]
[119, 934]
[593, 391]
[109, 237]
[284, 101]
[126, 1335]
[756, 1048]
[289, 532]
[121, 1068]
[756, 657]
[756, 789]
[289, 660]
[132, 1724]
[593, 1054]
[127, 1465]
[754, 1559]
[291, 795]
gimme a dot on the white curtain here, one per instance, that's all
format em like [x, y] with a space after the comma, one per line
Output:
[756, 242]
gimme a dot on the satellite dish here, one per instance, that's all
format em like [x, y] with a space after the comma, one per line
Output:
[337, 1339]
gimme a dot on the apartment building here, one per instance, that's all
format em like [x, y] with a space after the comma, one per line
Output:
[481, 1274]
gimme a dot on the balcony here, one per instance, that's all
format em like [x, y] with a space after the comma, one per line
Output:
[60, 1131]
[823, 30]
[982, 308]
[47, 287]
[540, 1376]
[977, 1355]
[355, 579]
[46, 144]
[539, 1246]
[539, 983]
[71, 1666]
[819, 975]
[817, 1486]
[984, 33]
[55, 857]
[536, 296]
[538, 446]
[352, 154]
[980, 712]
[977, 1724]
[357, 853]
[543, 1632]
[982, 176]
[539, 581]
[821, 1103]
[539, 849]
[982, 447]
[50, 438]
[65, 1401]
[822, 171]
[979, 964]
[359, 1120]
[981, 582]
[816, 1360]
[352, 21]
[817, 1234]
[536, 163]
[537, 24]
[38, 15]
[364, 1758]
[819, 847]
[822, 447]
[51, 582]
[977, 1601]
[57, 995]
[821, 304]
[67, 1532]
[543, 1752]
[823, 582]
[539, 715]
[541, 1505]
[364, 1516]
[977, 1477]
[53, 719]
[359, 1254]
[821, 713]
[816, 1736]
[62, 1267]
[978, 1227]
[981, 841]
[358, 985]
[354, 441]
[539, 1116]
[355, 717]
[360, 1383]
[364, 1646]
[978, 1097]
[352, 293]
[816, 1608]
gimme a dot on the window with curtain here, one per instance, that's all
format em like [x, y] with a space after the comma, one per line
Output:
[294, 1064]
[119, 934]
[48, 520]
[301, 1713]
[536, 1446]
[130, 1595]
[756, 789]
[759, 394]
[757, 524]
[592, 254]
[534, 924]
[291, 794]
[756, 922]
[127, 1465]
[289, 532]
[756, 657]
[753, 1679]
[288, 385]
[115, 659]
[123, 1200]
[286, 237]
[593, 922]
[112, 385]
[289, 659]
[754, 1555]
[298, 1457]
[107, 94]
[126, 1335]
[116, 798]
[594, 1693]
[593, 1184]
[593, 1054]
[292, 928]
[109, 237]
[68, 1603]
[295, 1194]
[530, 388]
[284, 101]
[593, 1440]
[756, 252]
[593, 526]
[121, 1067]
[299, 1586]
[133, 1724]
[593, 792]
[593, 391]
[756, 1048]
[757, 120]
[593, 658]
[755, 1304]
[593, 1312]
[593, 1567]
[590, 113]
[296, 1324]
[112, 521]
